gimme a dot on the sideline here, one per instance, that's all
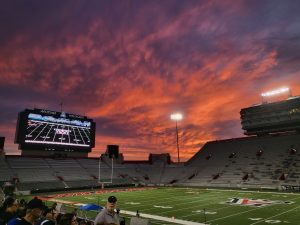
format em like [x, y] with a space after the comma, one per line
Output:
[143, 215]
[162, 218]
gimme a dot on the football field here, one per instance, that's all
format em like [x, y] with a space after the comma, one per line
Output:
[194, 206]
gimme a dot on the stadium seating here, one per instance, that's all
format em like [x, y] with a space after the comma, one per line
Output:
[261, 171]
[5, 171]
[233, 163]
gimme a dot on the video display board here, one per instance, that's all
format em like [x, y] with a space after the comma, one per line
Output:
[40, 128]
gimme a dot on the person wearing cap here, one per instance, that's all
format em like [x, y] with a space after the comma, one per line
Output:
[35, 208]
[108, 216]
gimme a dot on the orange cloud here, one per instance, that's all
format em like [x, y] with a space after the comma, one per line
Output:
[207, 60]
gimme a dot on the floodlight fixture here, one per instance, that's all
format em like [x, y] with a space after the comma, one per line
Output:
[276, 92]
[177, 117]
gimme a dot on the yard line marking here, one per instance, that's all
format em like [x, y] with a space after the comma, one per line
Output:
[245, 212]
[158, 199]
[215, 209]
[182, 203]
[154, 199]
[233, 215]
[192, 207]
[276, 215]
[176, 210]
[256, 192]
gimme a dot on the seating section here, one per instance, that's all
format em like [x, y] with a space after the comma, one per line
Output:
[5, 171]
[47, 173]
[34, 175]
[250, 162]
[40, 185]
[257, 162]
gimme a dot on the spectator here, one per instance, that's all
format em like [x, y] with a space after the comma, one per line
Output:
[8, 210]
[50, 216]
[35, 208]
[22, 208]
[58, 218]
[20, 213]
[108, 216]
[82, 222]
[68, 219]
[54, 206]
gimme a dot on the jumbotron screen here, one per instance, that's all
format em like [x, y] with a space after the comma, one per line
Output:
[40, 128]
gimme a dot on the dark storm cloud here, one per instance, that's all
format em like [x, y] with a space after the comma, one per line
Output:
[30, 18]
[12, 94]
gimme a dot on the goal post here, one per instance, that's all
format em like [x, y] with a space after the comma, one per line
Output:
[101, 181]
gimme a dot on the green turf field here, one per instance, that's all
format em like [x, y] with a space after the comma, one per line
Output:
[189, 204]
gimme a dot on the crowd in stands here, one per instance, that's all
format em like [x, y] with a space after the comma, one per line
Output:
[35, 212]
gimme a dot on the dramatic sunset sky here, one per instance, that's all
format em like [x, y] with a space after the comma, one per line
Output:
[129, 64]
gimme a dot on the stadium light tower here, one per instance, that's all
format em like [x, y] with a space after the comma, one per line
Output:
[275, 92]
[177, 117]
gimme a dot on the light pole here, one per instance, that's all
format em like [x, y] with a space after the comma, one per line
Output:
[177, 117]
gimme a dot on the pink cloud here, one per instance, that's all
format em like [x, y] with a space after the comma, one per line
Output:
[203, 62]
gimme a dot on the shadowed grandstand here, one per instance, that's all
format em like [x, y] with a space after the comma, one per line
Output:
[274, 168]
[270, 159]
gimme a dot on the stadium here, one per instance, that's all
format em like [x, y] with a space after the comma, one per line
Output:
[248, 180]
[138, 112]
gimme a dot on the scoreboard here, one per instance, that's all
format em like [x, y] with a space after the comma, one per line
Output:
[41, 129]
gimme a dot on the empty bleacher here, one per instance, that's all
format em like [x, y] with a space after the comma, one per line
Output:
[250, 162]
[5, 171]
[262, 170]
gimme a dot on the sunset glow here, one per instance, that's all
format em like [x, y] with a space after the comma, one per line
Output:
[129, 65]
